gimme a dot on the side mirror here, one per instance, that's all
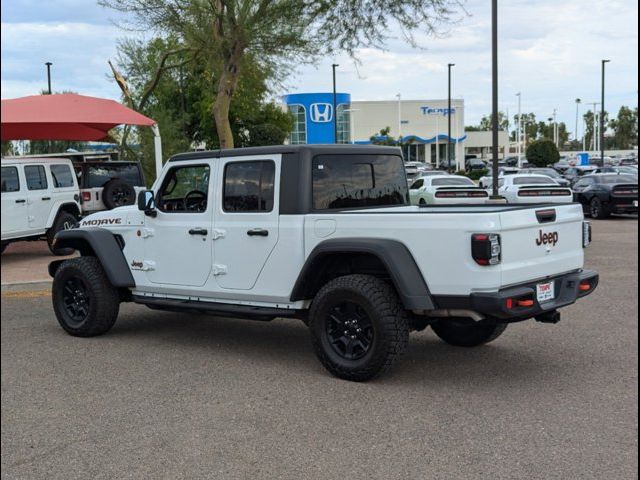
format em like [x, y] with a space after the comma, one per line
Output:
[147, 202]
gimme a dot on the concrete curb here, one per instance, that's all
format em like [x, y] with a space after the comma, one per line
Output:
[35, 286]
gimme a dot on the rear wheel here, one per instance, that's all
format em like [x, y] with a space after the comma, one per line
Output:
[84, 301]
[597, 209]
[358, 327]
[422, 202]
[465, 332]
[64, 221]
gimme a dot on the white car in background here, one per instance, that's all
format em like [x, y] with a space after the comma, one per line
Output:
[529, 188]
[446, 190]
[487, 180]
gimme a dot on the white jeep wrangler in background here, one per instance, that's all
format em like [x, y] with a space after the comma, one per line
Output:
[40, 197]
[325, 234]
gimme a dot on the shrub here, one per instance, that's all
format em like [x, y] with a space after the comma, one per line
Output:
[543, 153]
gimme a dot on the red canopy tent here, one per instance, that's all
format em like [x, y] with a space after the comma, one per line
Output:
[68, 116]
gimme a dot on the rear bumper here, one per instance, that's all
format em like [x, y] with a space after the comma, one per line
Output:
[567, 292]
[623, 205]
[494, 305]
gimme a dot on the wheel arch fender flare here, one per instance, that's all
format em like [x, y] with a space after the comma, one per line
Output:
[103, 245]
[394, 255]
[62, 206]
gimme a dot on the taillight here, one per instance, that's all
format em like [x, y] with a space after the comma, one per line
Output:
[486, 249]
[86, 196]
[587, 234]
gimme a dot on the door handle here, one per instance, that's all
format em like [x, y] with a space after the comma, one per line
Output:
[198, 231]
[258, 232]
[22, 200]
[46, 198]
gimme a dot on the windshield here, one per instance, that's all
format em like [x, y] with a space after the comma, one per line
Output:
[549, 172]
[350, 181]
[437, 182]
[98, 175]
[533, 181]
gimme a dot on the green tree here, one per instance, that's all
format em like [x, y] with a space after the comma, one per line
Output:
[160, 80]
[625, 128]
[486, 124]
[588, 132]
[383, 138]
[227, 36]
[542, 153]
[7, 148]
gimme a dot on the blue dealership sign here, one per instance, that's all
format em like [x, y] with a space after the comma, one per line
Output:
[319, 115]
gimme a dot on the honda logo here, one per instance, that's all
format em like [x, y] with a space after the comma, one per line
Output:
[321, 112]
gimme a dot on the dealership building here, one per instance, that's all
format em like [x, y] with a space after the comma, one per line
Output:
[421, 124]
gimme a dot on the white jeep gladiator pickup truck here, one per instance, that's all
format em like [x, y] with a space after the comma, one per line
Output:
[326, 234]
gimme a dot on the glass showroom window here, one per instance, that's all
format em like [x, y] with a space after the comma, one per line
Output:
[344, 123]
[299, 134]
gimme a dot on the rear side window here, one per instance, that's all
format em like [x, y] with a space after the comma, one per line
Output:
[10, 180]
[62, 176]
[36, 177]
[352, 181]
[248, 186]
[417, 184]
[98, 175]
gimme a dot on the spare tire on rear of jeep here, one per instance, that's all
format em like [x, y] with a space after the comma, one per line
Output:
[118, 193]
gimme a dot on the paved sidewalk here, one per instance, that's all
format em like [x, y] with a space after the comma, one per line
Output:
[24, 266]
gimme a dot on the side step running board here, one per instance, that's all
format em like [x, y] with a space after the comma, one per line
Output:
[218, 309]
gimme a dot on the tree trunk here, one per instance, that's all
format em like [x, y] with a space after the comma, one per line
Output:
[226, 88]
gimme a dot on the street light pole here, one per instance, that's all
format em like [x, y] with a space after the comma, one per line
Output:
[578, 101]
[48, 64]
[399, 97]
[335, 105]
[519, 129]
[449, 66]
[494, 73]
[602, 126]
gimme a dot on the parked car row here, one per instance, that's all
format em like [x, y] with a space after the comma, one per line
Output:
[44, 195]
[600, 194]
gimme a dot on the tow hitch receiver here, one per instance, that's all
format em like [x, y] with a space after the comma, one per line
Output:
[549, 317]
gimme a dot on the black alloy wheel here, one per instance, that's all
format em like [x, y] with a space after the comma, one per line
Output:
[76, 301]
[349, 330]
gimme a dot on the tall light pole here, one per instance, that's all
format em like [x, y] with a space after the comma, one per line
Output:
[399, 97]
[602, 126]
[519, 129]
[494, 95]
[335, 105]
[578, 102]
[48, 64]
[555, 127]
[449, 66]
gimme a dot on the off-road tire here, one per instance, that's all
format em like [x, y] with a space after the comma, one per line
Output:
[385, 314]
[118, 193]
[63, 221]
[103, 299]
[598, 210]
[464, 332]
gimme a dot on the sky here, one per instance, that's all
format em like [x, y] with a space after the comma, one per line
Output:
[549, 51]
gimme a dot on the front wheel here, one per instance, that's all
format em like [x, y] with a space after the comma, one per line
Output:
[597, 209]
[358, 327]
[84, 301]
[465, 332]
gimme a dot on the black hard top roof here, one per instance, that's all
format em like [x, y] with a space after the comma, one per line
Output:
[282, 149]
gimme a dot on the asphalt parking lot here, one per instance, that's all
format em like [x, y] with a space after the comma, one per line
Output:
[173, 396]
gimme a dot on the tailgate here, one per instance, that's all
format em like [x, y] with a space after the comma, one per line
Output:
[541, 242]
